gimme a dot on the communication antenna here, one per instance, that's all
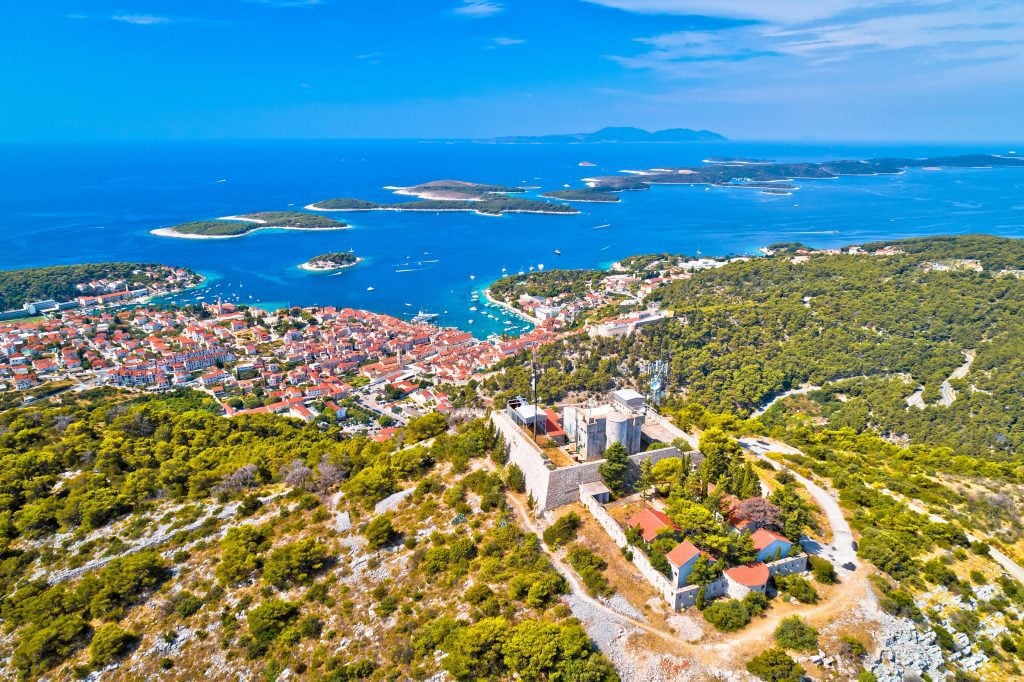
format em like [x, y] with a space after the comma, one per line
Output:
[657, 373]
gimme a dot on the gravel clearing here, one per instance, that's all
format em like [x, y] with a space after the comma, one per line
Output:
[622, 605]
[633, 664]
[392, 501]
[686, 627]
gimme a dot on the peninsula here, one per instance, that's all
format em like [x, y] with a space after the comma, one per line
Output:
[30, 291]
[330, 262]
[239, 225]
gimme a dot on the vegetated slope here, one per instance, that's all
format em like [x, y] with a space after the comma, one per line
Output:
[57, 282]
[748, 331]
[177, 544]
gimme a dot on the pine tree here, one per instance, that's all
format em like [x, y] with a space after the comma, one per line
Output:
[646, 481]
[751, 486]
[615, 468]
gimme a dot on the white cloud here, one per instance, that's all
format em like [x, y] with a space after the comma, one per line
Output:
[477, 8]
[773, 11]
[141, 19]
[504, 41]
[929, 35]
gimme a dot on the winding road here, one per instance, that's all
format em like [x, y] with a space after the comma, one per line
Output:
[842, 550]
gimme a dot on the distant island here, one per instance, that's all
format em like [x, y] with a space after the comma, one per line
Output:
[775, 178]
[455, 190]
[582, 194]
[329, 262]
[451, 195]
[239, 225]
[610, 135]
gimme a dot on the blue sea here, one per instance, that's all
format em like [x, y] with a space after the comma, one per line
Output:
[87, 203]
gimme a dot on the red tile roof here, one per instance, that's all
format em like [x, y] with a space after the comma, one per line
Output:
[763, 537]
[751, 575]
[650, 521]
[683, 553]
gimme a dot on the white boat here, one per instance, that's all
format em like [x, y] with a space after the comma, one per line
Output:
[558, 252]
[424, 318]
[369, 288]
[470, 321]
[473, 308]
[540, 266]
[472, 276]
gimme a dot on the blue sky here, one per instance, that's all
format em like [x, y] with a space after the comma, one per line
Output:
[755, 69]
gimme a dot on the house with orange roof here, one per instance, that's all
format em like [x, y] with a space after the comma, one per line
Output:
[742, 580]
[650, 522]
[682, 559]
[770, 545]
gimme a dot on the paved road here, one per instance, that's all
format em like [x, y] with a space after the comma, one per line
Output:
[842, 550]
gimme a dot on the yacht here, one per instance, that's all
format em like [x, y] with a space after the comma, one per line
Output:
[424, 318]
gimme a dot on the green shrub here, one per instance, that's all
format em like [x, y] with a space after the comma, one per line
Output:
[823, 570]
[515, 478]
[795, 633]
[798, 588]
[379, 531]
[295, 563]
[590, 567]
[562, 531]
[268, 620]
[109, 643]
[727, 615]
[186, 604]
[775, 665]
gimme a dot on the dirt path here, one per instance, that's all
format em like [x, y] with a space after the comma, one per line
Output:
[528, 524]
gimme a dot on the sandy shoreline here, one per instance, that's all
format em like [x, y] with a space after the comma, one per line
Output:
[309, 267]
[170, 232]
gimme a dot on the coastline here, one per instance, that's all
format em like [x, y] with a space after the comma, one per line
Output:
[510, 309]
[314, 207]
[309, 267]
[171, 232]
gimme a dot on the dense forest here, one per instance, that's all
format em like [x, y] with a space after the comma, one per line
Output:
[582, 194]
[154, 534]
[57, 282]
[883, 326]
[546, 283]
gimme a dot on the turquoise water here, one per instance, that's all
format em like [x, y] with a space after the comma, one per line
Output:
[92, 203]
